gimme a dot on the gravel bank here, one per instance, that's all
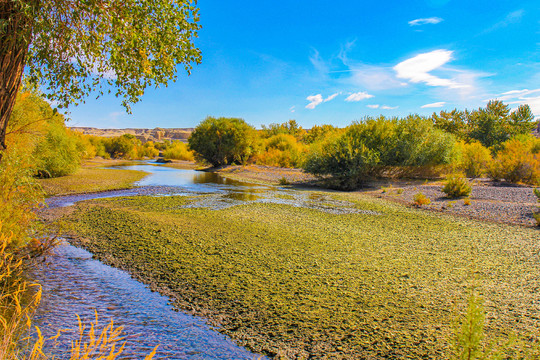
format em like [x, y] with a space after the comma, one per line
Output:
[489, 201]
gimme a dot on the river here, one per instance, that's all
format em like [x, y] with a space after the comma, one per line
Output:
[74, 283]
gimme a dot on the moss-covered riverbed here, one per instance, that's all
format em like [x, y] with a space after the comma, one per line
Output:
[302, 283]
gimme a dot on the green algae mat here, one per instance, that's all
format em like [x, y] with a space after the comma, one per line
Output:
[295, 282]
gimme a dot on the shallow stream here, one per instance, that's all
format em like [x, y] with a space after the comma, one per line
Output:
[74, 283]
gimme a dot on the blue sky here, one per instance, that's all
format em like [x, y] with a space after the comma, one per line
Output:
[323, 62]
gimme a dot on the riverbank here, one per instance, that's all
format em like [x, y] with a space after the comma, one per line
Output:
[295, 282]
[93, 177]
[489, 201]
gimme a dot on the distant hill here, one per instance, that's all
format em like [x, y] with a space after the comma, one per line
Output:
[156, 135]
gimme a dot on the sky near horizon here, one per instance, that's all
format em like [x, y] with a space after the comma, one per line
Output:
[322, 62]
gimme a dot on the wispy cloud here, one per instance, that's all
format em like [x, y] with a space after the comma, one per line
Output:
[318, 62]
[292, 109]
[373, 106]
[417, 69]
[434, 105]
[314, 100]
[386, 107]
[520, 97]
[359, 96]
[511, 18]
[331, 97]
[424, 21]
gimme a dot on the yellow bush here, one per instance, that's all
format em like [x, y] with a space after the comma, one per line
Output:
[282, 150]
[421, 199]
[473, 158]
[517, 162]
[178, 151]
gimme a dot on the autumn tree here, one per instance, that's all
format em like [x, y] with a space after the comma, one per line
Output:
[72, 48]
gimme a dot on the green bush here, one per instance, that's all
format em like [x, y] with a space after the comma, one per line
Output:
[368, 149]
[456, 186]
[58, 153]
[222, 141]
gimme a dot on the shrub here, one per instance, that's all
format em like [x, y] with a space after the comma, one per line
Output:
[370, 148]
[58, 154]
[222, 141]
[421, 199]
[456, 186]
[178, 150]
[467, 201]
[537, 193]
[517, 162]
[537, 218]
[284, 181]
[473, 158]
[282, 150]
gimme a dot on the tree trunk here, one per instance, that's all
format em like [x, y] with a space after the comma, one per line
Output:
[14, 43]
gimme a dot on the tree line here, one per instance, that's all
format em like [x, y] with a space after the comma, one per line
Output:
[491, 140]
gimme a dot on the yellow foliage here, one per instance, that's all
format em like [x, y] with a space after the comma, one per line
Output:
[517, 162]
[282, 150]
[474, 158]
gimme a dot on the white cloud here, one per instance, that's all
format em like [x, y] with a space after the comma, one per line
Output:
[314, 100]
[331, 97]
[362, 95]
[417, 68]
[386, 107]
[434, 105]
[431, 20]
[373, 106]
[375, 78]
[292, 109]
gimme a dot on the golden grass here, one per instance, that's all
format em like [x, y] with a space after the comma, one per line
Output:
[87, 180]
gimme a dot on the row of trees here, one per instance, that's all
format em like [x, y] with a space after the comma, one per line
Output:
[477, 142]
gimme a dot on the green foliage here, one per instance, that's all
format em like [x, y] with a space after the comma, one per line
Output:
[58, 154]
[178, 150]
[518, 161]
[456, 186]
[347, 159]
[473, 158]
[421, 199]
[366, 149]
[537, 193]
[491, 126]
[536, 217]
[290, 127]
[468, 342]
[222, 141]
[76, 46]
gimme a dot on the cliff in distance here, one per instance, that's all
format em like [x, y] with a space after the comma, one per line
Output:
[156, 135]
